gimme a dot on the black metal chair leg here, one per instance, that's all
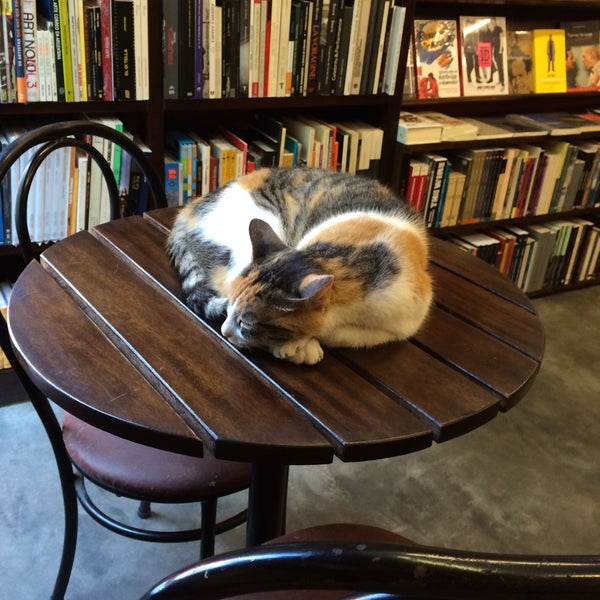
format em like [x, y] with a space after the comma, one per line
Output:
[65, 472]
[63, 464]
[144, 509]
[209, 521]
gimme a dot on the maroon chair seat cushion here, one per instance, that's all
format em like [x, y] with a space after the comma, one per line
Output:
[146, 473]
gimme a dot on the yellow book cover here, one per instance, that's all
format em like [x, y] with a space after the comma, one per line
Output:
[549, 65]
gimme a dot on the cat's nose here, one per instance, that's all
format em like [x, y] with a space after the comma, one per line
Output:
[227, 329]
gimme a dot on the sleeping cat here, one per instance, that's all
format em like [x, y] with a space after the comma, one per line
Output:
[296, 258]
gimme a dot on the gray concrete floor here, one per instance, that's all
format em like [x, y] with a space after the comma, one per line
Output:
[526, 482]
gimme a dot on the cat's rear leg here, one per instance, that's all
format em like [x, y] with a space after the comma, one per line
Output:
[305, 351]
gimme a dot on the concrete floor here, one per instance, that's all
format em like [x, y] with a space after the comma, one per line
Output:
[526, 482]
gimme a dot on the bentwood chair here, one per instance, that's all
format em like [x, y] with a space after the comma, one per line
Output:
[119, 465]
[350, 561]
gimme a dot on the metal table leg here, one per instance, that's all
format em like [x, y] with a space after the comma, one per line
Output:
[267, 503]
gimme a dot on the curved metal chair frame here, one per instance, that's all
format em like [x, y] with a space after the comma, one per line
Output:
[383, 570]
[50, 138]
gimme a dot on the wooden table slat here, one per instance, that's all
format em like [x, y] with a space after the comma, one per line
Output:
[501, 367]
[451, 402]
[210, 365]
[119, 394]
[491, 313]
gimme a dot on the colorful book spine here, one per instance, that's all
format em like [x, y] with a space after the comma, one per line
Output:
[65, 39]
[18, 49]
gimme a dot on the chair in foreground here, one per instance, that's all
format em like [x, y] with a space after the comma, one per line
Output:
[121, 466]
[367, 562]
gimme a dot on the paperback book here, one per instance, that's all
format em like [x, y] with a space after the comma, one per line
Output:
[549, 64]
[436, 58]
[582, 55]
[416, 129]
[483, 55]
[519, 42]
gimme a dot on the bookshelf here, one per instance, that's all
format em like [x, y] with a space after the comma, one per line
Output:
[150, 119]
[545, 14]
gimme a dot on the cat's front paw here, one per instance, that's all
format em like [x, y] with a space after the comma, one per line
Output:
[308, 352]
[216, 308]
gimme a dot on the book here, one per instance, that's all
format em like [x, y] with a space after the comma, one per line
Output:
[545, 239]
[305, 134]
[483, 55]
[392, 53]
[519, 58]
[76, 62]
[453, 129]
[549, 64]
[358, 43]
[592, 117]
[173, 181]
[582, 59]
[409, 91]
[516, 129]
[30, 50]
[486, 130]
[436, 56]
[17, 24]
[186, 48]
[416, 129]
[182, 147]
[553, 123]
[106, 20]
[123, 50]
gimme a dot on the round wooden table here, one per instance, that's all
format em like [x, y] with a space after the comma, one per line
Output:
[98, 325]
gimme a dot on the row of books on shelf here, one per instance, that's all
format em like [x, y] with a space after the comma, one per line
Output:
[73, 50]
[490, 55]
[5, 289]
[196, 165]
[80, 198]
[276, 48]
[539, 257]
[430, 127]
[466, 186]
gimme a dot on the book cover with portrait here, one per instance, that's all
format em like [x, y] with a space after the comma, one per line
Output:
[519, 41]
[483, 55]
[582, 55]
[436, 58]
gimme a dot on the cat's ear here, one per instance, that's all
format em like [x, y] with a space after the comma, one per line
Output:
[264, 239]
[315, 290]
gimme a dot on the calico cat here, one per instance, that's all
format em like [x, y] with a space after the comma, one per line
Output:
[296, 258]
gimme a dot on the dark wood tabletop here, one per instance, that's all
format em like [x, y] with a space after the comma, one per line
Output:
[99, 326]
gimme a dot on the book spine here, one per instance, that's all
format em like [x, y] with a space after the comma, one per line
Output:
[313, 63]
[18, 48]
[123, 50]
[65, 38]
[187, 51]
[330, 59]
[30, 50]
[170, 39]
[106, 8]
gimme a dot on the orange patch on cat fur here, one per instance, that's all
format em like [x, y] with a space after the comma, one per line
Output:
[254, 180]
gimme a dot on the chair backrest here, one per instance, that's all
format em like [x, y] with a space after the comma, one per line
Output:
[383, 569]
[48, 138]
